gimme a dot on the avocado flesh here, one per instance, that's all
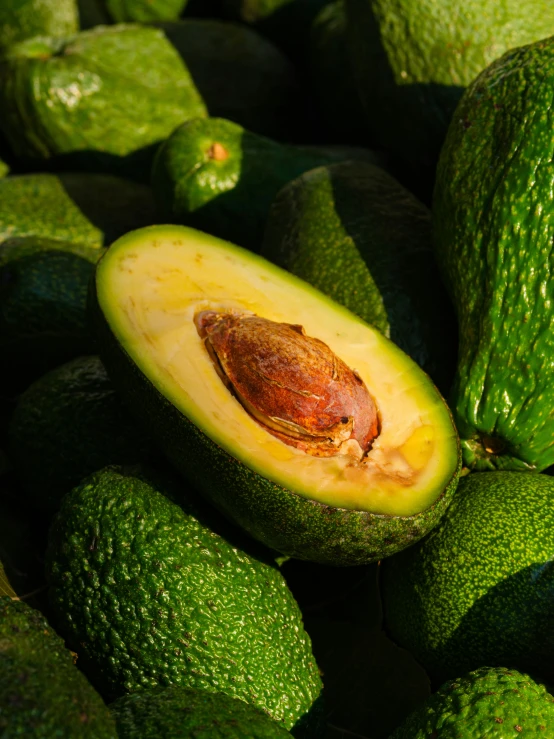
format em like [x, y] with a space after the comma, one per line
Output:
[152, 283]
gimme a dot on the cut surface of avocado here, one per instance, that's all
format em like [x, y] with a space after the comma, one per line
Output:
[150, 286]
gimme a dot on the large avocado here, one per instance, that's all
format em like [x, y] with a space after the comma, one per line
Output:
[215, 175]
[42, 693]
[22, 19]
[303, 479]
[478, 590]
[153, 595]
[412, 60]
[100, 100]
[351, 230]
[494, 241]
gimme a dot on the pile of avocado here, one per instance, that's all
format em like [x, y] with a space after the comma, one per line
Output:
[276, 369]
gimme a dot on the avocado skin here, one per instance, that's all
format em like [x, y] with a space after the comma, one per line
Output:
[22, 19]
[154, 596]
[230, 197]
[77, 207]
[287, 522]
[144, 11]
[412, 60]
[181, 713]
[65, 426]
[478, 590]
[42, 79]
[351, 230]
[484, 702]
[42, 693]
[493, 241]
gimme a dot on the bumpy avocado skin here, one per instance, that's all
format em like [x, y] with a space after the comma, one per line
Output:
[412, 60]
[82, 208]
[351, 230]
[154, 596]
[42, 693]
[491, 702]
[101, 100]
[287, 522]
[22, 19]
[68, 424]
[218, 177]
[181, 713]
[478, 590]
[493, 239]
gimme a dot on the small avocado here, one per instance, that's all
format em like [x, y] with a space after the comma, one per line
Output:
[215, 175]
[492, 702]
[352, 231]
[184, 713]
[23, 19]
[153, 595]
[101, 100]
[478, 590]
[68, 424]
[327, 443]
[42, 693]
[493, 241]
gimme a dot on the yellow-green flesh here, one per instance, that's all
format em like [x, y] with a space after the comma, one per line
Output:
[150, 285]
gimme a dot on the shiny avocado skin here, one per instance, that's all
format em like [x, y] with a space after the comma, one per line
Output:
[493, 240]
[478, 590]
[42, 693]
[352, 231]
[287, 522]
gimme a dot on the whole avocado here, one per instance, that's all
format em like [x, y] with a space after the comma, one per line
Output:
[154, 596]
[493, 240]
[42, 693]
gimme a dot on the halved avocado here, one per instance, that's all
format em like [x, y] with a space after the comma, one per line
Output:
[149, 291]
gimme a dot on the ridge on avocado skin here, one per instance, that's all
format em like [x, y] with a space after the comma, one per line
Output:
[493, 241]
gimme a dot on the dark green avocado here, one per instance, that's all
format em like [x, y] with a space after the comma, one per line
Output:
[42, 693]
[23, 19]
[492, 702]
[352, 231]
[478, 590]
[332, 509]
[154, 596]
[183, 713]
[494, 242]
[100, 100]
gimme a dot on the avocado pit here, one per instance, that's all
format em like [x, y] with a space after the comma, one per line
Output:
[291, 383]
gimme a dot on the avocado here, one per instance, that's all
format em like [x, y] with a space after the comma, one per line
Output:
[181, 713]
[493, 241]
[42, 693]
[215, 175]
[477, 590]
[297, 475]
[43, 297]
[144, 11]
[491, 702]
[352, 231]
[100, 100]
[241, 75]
[153, 595]
[23, 19]
[412, 60]
[68, 424]
[82, 208]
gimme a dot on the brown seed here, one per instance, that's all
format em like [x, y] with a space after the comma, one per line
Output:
[292, 384]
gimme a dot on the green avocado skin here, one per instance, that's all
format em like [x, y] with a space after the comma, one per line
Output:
[493, 240]
[351, 230]
[144, 11]
[22, 19]
[478, 590]
[229, 196]
[101, 100]
[154, 596]
[412, 60]
[42, 693]
[492, 702]
[181, 713]
[287, 522]
[66, 425]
